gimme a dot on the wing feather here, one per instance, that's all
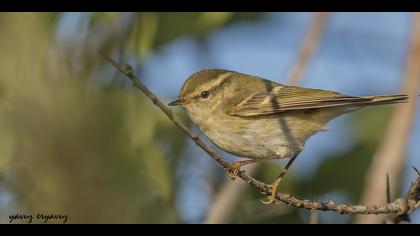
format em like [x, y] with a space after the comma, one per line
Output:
[289, 98]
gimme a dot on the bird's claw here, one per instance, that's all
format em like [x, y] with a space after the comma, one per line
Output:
[233, 172]
[272, 197]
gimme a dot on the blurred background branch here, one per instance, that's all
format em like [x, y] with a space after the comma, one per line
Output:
[309, 46]
[390, 156]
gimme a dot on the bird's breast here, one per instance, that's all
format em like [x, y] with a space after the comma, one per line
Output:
[250, 138]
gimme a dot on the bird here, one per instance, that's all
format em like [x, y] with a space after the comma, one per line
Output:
[258, 119]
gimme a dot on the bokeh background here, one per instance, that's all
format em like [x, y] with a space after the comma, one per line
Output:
[77, 139]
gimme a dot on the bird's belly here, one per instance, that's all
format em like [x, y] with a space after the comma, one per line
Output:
[259, 139]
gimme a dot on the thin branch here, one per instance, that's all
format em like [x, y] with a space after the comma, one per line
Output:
[390, 156]
[394, 207]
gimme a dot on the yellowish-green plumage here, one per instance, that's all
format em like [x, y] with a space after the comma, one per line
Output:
[255, 118]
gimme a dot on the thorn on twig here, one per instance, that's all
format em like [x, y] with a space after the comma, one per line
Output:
[406, 218]
[194, 136]
[330, 202]
[388, 189]
[128, 69]
[329, 199]
[416, 170]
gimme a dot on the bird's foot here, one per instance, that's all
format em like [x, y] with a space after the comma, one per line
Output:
[234, 170]
[271, 198]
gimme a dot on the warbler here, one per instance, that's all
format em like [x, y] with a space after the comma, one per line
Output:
[255, 118]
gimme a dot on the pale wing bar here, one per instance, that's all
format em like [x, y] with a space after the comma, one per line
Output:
[291, 98]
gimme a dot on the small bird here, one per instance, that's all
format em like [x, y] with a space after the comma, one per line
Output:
[255, 118]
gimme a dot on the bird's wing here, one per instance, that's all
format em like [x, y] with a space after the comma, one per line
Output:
[289, 98]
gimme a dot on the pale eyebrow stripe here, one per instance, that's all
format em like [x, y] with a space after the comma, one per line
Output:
[223, 78]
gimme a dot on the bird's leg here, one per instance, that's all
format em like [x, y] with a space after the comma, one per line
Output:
[236, 167]
[272, 197]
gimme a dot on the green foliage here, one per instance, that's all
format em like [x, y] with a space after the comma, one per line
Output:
[70, 149]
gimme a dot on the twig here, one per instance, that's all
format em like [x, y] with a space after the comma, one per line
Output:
[390, 155]
[394, 207]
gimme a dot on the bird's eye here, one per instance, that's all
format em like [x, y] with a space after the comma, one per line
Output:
[205, 94]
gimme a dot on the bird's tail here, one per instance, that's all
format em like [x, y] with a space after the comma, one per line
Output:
[386, 99]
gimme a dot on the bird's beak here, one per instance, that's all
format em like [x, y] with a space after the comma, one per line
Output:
[177, 102]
